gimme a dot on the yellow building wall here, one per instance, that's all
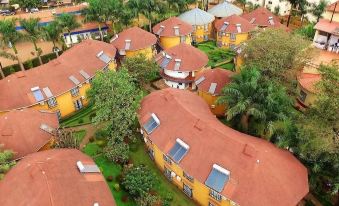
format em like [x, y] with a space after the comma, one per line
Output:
[218, 110]
[168, 42]
[226, 39]
[328, 14]
[149, 52]
[200, 190]
[310, 97]
[200, 32]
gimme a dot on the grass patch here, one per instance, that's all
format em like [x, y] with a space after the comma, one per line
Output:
[84, 116]
[79, 135]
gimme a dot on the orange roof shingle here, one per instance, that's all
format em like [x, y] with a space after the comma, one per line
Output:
[308, 81]
[332, 6]
[51, 178]
[169, 24]
[260, 173]
[221, 77]
[15, 89]
[232, 21]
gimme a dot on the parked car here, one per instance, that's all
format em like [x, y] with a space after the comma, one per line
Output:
[34, 10]
[7, 12]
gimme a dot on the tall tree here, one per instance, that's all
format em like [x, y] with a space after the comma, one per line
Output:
[5, 55]
[53, 33]
[318, 9]
[10, 36]
[34, 33]
[68, 22]
[150, 8]
[116, 99]
[294, 4]
[27, 4]
[135, 7]
[6, 161]
[179, 5]
[243, 3]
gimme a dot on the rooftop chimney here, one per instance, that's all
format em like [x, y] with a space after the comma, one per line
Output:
[270, 20]
[238, 28]
[176, 31]
[127, 44]
[224, 26]
[162, 27]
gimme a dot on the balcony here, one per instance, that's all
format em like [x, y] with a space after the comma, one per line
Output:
[188, 79]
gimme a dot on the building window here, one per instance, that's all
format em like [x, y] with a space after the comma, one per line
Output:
[205, 37]
[78, 104]
[58, 114]
[167, 159]
[302, 95]
[233, 36]
[75, 91]
[187, 176]
[188, 191]
[206, 27]
[168, 173]
[151, 153]
[215, 195]
[210, 204]
[52, 102]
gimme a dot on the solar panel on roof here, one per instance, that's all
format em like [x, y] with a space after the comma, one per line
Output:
[212, 88]
[165, 61]
[178, 151]
[84, 74]
[74, 80]
[47, 92]
[201, 79]
[217, 178]
[37, 94]
[151, 124]
[103, 57]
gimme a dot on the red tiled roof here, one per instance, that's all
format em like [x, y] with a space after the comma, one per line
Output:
[327, 26]
[15, 89]
[219, 76]
[233, 21]
[308, 81]
[140, 39]
[260, 17]
[331, 7]
[192, 59]
[51, 178]
[260, 173]
[169, 24]
[20, 130]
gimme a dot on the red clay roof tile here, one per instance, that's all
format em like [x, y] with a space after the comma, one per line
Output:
[233, 20]
[219, 76]
[169, 24]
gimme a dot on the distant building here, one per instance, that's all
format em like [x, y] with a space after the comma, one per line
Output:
[232, 31]
[281, 8]
[201, 22]
[134, 41]
[327, 29]
[225, 9]
[212, 163]
[60, 85]
[57, 177]
[180, 64]
[306, 89]
[172, 32]
[210, 83]
[27, 131]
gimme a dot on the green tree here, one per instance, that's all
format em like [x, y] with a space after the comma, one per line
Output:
[141, 69]
[6, 157]
[34, 33]
[5, 55]
[9, 36]
[294, 4]
[147, 200]
[68, 22]
[318, 9]
[179, 5]
[117, 151]
[135, 7]
[65, 139]
[278, 54]
[258, 105]
[138, 181]
[52, 33]
[150, 8]
[27, 4]
[306, 31]
[243, 3]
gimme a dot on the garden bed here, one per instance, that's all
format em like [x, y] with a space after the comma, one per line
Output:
[82, 117]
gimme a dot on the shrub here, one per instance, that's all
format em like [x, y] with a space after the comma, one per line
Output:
[133, 147]
[117, 187]
[80, 121]
[110, 178]
[124, 198]
[91, 116]
[91, 139]
[119, 178]
[101, 134]
[101, 143]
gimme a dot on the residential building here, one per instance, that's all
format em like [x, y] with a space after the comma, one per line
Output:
[64, 177]
[212, 163]
[180, 64]
[225, 9]
[27, 131]
[134, 41]
[60, 85]
[201, 22]
[172, 32]
[210, 83]
[279, 7]
[232, 31]
[306, 88]
[263, 18]
[327, 33]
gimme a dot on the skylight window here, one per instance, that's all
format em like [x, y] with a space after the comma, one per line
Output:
[165, 61]
[103, 57]
[84, 74]
[224, 26]
[75, 81]
[201, 79]
[217, 178]
[37, 94]
[179, 150]
[151, 124]
[161, 29]
[212, 88]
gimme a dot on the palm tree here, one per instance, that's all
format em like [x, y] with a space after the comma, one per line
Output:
[68, 23]
[151, 7]
[135, 7]
[6, 55]
[115, 7]
[10, 36]
[243, 3]
[52, 33]
[179, 5]
[318, 9]
[294, 4]
[238, 96]
[34, 33]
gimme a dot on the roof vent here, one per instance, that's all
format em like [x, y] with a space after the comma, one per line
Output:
[176, 31]
[177, 64]
[224, 26]
[87, 168]
[161, 29]
[96, 204]
[238, 28]
[252, 20]
[128, 44]
[270, 20]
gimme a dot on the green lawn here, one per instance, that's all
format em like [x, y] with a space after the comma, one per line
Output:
[81, 117]
[79, 135]
[138, 156]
